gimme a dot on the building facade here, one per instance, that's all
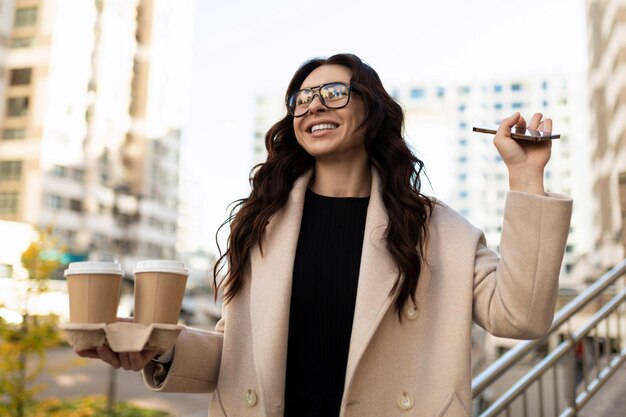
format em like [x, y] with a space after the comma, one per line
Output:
[607, 83]
[90, 138]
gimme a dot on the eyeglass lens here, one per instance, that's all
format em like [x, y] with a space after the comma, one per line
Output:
[332, 95]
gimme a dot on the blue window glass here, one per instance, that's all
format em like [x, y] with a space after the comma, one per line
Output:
[463, 159]
[463, 142]
[497, 88]
[441, 92]
[417, 93]
[497, 106]
[461, 107]
[516, 105]
[516, 87]
[464, 90]
[545, 85]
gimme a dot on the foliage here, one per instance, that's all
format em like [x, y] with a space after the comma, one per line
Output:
[19, 342]
[36, 261]
[93, 406]
[29, 339]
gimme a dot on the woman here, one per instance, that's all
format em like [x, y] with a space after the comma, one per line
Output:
[350, 293]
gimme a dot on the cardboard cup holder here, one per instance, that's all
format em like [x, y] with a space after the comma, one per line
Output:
[122, 336]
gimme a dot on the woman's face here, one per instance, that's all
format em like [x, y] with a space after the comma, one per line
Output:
[331, 134]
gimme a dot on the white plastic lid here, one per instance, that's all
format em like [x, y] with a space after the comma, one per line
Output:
[172, 267]
[94, 267]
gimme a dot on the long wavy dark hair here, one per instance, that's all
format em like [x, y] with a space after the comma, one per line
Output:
[407, 208]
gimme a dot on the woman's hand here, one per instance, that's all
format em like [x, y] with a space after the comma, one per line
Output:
[129, 361]
[525, 160]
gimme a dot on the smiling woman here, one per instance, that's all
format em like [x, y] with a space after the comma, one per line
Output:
[348, 291]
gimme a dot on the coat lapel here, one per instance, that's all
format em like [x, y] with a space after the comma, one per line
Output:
[270, 297]
[377, 276]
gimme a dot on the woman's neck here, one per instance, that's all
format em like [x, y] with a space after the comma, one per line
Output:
[342, 180]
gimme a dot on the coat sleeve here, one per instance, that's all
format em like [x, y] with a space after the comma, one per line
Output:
[515, 296]
[195, 365]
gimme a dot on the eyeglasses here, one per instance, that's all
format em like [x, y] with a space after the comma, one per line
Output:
[332, 95]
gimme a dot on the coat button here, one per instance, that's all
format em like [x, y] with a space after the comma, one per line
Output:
[250, 398]
[411, 311]
[405, 401]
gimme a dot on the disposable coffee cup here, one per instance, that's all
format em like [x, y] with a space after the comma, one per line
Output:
[94, 291]
[159, 291]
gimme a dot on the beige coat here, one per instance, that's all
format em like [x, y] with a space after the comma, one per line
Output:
[420, 367]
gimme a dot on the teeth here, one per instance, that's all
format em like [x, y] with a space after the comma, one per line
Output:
[323, 126]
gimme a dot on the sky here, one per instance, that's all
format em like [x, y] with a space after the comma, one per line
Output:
[243, 49]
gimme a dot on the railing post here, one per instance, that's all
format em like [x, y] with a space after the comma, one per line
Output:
[570, 373]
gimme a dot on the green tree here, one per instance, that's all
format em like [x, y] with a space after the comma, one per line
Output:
[29, 339]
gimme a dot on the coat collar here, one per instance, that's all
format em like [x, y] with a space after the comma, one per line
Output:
[271, 276]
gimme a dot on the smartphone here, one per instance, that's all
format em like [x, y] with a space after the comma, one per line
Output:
[520, 133]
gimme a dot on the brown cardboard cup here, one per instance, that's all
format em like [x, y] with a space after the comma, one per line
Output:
[94, 291]
[159, 291]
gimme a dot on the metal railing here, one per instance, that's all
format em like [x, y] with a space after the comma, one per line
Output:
[579, 360]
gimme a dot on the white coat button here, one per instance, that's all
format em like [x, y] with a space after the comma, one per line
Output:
[405, 401]
[411, 311]
[250, 398]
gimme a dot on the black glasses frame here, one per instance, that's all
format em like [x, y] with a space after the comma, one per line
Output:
[314, 93]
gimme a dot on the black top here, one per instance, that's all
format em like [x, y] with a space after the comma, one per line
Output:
[323, 297]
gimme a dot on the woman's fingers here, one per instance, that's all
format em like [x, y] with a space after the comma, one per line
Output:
[139, 360]
[125, 360]
[547, 125]
[110, 357]
[534, 121]
[89, 353]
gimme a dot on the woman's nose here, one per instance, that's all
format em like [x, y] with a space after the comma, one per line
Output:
[316, 105]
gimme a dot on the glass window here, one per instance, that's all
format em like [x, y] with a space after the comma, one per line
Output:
[461, 107]
[516, 87]
[21, 76]
[497, 106]
[462, 177]
[463, 142]
[13, 134]
[463, 194]
[8, 203]
[441, 92]
[77, 174]
[462, 159]
[76, 205]
[417, 93]
[53, 201]
[10, 170]
[545, 85]
[464, 90]
[516, 105]
[25, 16]
[22, 42]
[497, 88]
[58, 171]
[17, 107]
[462, 125]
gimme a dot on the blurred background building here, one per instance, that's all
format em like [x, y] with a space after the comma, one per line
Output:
[92, 101]
[606, 37]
